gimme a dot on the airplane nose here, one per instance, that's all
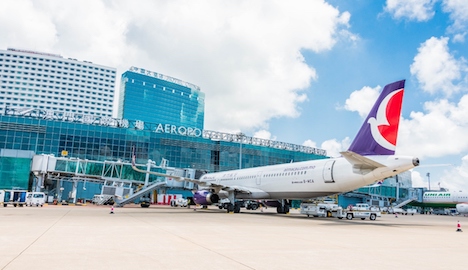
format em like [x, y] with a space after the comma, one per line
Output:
[416, 162]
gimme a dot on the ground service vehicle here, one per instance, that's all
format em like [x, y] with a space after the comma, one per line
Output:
[319, 209]
[360, 210]
[14, 197]
[179, 202]
[35, 199]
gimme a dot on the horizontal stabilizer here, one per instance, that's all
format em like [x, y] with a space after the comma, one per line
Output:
[360, 162]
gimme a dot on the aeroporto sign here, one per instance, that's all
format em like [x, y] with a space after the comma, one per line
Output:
[179, 130]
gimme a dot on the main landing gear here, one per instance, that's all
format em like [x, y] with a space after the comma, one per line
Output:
[283, 208]
[234, 207]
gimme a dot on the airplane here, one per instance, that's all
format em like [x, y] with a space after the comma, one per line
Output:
[370, 158]
[444, 199]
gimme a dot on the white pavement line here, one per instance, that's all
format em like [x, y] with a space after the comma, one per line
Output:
[6, 265]
[195, 243]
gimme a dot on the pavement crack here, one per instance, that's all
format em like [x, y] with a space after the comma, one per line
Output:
[32, 243]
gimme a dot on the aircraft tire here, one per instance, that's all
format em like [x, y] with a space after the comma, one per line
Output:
[279, 210]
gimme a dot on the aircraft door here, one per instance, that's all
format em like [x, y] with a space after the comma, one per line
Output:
[328, 171]
[259, 178]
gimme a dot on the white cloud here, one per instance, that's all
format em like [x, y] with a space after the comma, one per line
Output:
[423, 10]
[333, 147]
[310, 143]
[456, 178]
[418, 181]
[24, 26]
[362, 100]
[458, 10]
[435, 68]
[438, 132]
[264, 134]
[418, 10]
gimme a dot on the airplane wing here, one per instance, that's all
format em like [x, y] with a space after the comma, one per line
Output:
[361, 164]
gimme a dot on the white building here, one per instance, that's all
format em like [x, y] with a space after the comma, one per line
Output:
[50, 82]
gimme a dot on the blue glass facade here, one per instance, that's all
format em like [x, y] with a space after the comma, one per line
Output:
[113, 142]
[155, 98]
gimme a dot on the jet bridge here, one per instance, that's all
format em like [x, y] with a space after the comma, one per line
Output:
[117, 177]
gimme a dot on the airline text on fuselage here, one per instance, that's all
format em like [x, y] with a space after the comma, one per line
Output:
[304, 168]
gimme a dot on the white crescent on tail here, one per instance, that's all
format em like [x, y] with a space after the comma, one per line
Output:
[382, 120]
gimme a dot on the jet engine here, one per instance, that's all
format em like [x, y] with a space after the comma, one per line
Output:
[205, 197]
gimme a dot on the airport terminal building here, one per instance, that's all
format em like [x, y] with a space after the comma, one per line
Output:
[176, 135]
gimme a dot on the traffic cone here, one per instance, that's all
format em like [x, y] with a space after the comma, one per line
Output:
[459, 227]
[112, 210]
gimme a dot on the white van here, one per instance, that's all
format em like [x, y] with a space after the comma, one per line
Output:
[35, 198]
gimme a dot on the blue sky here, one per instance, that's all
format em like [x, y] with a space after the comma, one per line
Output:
[303, 72]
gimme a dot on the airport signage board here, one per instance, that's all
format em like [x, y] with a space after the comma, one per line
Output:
[179, 130]
[104, 121]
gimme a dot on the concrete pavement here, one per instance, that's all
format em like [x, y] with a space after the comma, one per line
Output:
[161, 237]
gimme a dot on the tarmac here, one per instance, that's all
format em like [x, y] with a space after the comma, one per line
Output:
[163, 237]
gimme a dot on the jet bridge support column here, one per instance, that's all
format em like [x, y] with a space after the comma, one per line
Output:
[74, 190]
[148, 168]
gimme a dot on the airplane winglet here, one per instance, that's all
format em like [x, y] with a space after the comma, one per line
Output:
[359, 161]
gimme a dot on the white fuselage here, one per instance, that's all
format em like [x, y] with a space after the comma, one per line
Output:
[444, 197]
[307, 179]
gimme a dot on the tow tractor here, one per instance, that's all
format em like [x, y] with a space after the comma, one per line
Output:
[319, 209]
[360, 210]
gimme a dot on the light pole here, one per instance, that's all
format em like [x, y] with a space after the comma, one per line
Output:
[240, 136]
[429, 180]
[397, 188]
